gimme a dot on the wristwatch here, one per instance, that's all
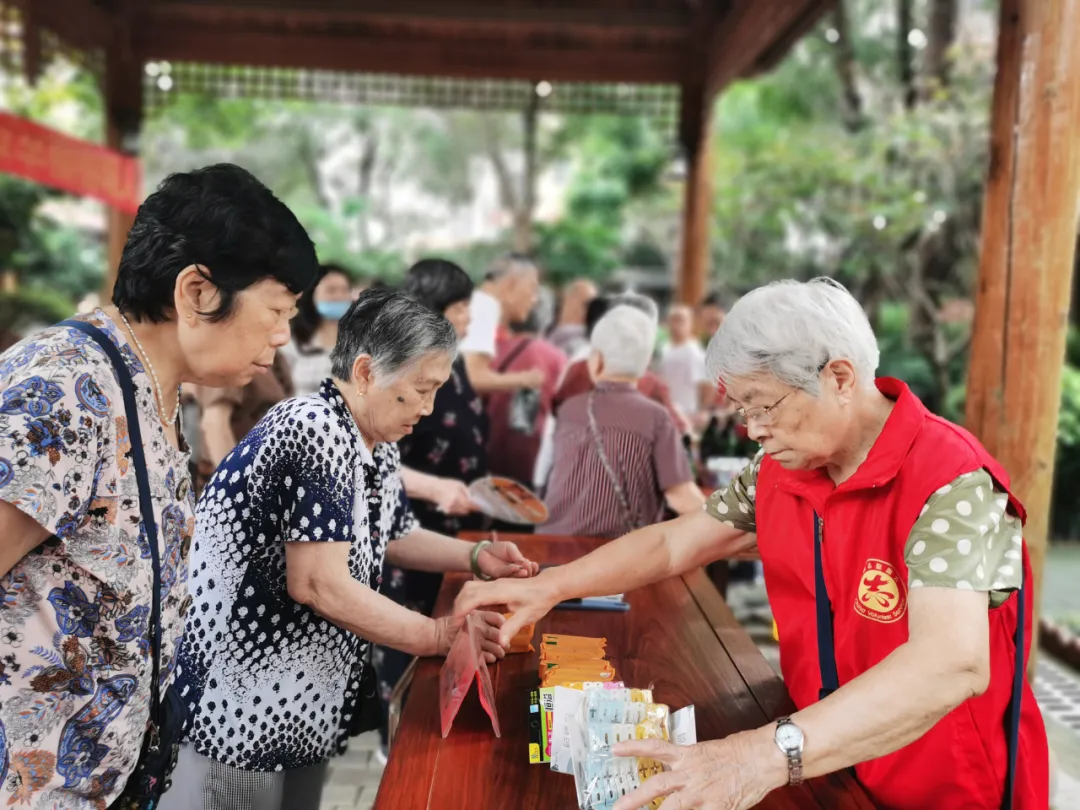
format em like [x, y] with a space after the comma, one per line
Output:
[789, 739]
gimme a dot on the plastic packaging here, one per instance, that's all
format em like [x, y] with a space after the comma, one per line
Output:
[601, 778]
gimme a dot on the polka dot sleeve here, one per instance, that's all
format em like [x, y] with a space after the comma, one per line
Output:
[965, 538]
[734, 504]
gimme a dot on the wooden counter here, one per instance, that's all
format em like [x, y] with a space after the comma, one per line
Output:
[678, 635]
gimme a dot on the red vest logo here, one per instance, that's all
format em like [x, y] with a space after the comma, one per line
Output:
[881, 595]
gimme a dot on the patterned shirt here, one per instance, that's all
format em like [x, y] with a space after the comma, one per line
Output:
[74, 642]
[450, 442]
[643, 448]
[964, 538]
[271, 684]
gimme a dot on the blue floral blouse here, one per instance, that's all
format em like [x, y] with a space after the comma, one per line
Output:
[74, 648]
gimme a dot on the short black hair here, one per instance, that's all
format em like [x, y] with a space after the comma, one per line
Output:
[308, 320]
[596, 310]
[438, 284]
[713, 299]
[221, 219]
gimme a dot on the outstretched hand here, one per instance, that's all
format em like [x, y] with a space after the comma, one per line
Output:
[528, 599]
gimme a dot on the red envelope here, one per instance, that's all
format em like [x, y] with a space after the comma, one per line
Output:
[464, 663]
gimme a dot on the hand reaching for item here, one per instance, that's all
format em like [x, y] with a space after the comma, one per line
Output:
[528, 599]
[503, 559]
[489, 625]
[452, 497]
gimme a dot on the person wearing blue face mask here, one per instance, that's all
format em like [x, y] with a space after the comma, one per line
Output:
[315, 328]
[332, 310]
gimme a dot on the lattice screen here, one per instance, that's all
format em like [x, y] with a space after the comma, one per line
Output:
[11, 43]
[164, 80]
[52, 48]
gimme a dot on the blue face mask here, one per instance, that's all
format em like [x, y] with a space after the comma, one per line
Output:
[333, 310]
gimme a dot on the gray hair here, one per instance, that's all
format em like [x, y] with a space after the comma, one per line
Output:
[625, 338]
[791, 329]
[394, 330]
[510, 264]
[639, 302]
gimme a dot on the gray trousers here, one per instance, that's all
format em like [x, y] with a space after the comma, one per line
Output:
[200, 783]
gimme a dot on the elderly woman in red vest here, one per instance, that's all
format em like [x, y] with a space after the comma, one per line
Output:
[894, 563]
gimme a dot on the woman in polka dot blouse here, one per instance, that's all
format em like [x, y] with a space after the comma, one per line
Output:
[290, 538]
[895, 565]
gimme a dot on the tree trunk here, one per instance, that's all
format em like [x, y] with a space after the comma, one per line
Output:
[523, 216]
[905, 56]
[845, 69]
[940, 39]
[368, 158]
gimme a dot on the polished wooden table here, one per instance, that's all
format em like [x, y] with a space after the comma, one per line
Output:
[678, 635]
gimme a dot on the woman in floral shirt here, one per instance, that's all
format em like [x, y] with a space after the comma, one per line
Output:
[206, 285]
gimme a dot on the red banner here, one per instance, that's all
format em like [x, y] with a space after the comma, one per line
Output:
[53, 159]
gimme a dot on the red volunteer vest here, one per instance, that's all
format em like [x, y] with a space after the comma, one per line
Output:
[961, 762]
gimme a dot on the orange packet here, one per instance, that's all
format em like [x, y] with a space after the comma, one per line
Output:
[522, 640]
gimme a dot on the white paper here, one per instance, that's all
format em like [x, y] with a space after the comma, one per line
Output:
[684, 726]
[567, 704]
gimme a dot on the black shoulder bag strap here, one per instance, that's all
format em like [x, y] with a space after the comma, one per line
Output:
[830, 681]
[513, 355]
[146, 505]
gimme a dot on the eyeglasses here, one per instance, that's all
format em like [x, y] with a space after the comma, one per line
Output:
[761, 414]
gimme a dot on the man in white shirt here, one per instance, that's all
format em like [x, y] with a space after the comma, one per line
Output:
[508, 294]
[682, 365]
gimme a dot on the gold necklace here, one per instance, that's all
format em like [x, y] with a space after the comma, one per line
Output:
[165, 420]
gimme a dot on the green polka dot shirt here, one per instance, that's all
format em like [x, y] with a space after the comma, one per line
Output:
[964, 538]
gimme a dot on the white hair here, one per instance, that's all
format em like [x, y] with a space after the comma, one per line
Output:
[625, 338]
[641, 302]
[791, 329]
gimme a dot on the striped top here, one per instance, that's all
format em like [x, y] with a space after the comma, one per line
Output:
[643, 447]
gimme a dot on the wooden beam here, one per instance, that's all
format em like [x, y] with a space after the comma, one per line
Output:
[505, 17]
[80, 23]
[31, 36]
[1028, 243]
[789, 37]
[123, 124]
[695, 134]
[754, 33]
[441, 57]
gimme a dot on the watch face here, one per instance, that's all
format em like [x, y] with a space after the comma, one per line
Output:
[789, 737]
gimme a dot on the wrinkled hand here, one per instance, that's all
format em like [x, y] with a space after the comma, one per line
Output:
[730, 774]
[452, 497]
[528, 599]
[503, 559]
[448, 627]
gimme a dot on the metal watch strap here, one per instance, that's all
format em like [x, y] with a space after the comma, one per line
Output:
[794, 758]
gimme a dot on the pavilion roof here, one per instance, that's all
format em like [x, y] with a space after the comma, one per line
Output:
[627, 56]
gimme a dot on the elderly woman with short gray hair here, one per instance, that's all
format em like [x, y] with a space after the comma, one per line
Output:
[896, 569]
[617, 458]
[290, 538]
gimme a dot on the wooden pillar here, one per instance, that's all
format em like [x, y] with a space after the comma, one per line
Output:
[1028, 242]
[695, 129]
[123, 124]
